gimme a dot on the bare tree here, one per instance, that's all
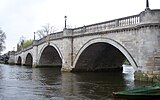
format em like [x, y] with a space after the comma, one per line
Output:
[21, 40]
[46, 30]
[20, 44]
[2, 40]
[41, 33]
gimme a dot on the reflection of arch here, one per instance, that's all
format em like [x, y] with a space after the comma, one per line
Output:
[29, 60]
[19, 61]
[108, 41]
[50, 55]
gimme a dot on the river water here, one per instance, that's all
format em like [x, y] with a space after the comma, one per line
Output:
[26, 83]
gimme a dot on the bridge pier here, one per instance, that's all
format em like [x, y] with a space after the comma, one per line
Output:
[35, 54]
[67, 50]
[149, 47]
[147, 76]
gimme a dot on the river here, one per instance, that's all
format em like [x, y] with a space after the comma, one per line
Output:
[26, 83]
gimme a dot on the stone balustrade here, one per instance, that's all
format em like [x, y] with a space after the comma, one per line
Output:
[121, 22]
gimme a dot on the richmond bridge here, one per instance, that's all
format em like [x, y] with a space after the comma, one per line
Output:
[101, 47]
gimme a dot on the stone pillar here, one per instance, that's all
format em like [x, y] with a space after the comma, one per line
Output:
[149, 46]
[67, 50]
[23, 58]
[11, 57]
[35, 54]
[150, 16]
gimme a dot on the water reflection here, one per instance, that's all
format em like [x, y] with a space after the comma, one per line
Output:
[19, 82]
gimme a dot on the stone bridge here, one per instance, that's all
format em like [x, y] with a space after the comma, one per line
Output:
[101, 47]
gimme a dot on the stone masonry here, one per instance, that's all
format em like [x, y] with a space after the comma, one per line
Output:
[102, 46]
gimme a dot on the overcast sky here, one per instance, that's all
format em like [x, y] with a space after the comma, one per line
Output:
[24, 17]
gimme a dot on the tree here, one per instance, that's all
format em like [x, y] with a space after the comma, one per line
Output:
[23, 43]
[2, 40]
[27, 43]
[21, 40]
[46, 30]
[20, 44]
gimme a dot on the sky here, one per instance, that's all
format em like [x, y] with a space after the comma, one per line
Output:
[24, 17]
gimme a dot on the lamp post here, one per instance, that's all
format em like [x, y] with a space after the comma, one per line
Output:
[147, 5]
[34, 35]
[65, 17]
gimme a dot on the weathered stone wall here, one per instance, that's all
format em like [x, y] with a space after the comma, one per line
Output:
[150, 16]
[67, 50]
[149, 46]
[126, 38]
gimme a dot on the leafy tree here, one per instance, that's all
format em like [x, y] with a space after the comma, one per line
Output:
[27, 43]
[2, 40]
[23, 43]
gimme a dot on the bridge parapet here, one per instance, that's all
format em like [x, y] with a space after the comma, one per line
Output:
[56, 35]
[42, 40]
[28, 47]
[150, 16]
[121, 22]
[24, 49]
[52, 36]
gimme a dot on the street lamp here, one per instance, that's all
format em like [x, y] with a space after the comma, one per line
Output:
[147, 5]
[34, 35]
[65, 17]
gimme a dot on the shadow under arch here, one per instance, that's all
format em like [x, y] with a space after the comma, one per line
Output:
[19, 61]
[50, 55]
[112, 43]
[29, 60]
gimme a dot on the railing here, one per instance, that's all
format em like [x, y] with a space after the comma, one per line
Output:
[28, 47]
[131, 20]
[50, 37]
[121, 22]
[24, 49]
[56, 35]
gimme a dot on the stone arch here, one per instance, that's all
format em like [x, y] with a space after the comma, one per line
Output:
[19, 61]
[50, 55]
[112, 43]
[29, 60]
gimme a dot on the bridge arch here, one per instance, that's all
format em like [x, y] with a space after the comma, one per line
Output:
[29, 60]
[50, 55]
[102, 42]
[19, 61]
